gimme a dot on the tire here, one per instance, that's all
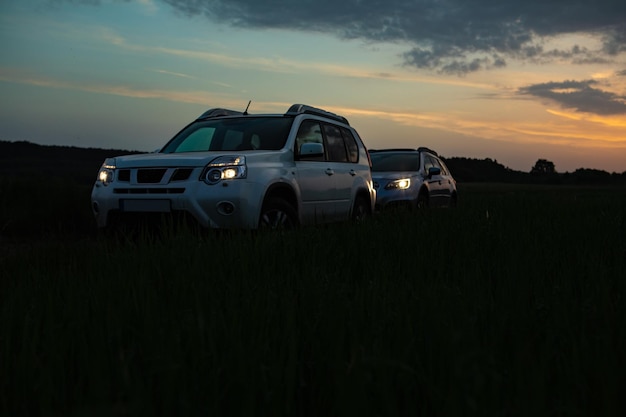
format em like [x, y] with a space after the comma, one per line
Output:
[361, 210]
[422, 201]
[453, 201]
[278, 214]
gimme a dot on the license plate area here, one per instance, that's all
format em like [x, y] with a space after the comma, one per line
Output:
[152, 206]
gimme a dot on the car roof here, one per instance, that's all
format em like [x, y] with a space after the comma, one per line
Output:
[420, 149]
[294, 110]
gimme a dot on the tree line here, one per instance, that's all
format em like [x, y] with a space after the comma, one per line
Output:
[543, 172]
[82, 164]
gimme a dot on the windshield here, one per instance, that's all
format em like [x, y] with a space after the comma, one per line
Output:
[395, 161]
[232, 134]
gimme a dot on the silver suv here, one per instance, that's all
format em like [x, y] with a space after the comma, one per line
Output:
[230, 169]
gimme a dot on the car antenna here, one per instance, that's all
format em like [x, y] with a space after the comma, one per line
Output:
[245, 112]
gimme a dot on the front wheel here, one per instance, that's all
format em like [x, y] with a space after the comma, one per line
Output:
[422, 201]
[453, 201]
[278, 214]
[361, 210]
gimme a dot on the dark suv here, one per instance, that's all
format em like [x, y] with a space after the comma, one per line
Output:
[411, 177]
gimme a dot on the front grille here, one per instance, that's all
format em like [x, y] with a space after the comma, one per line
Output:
[153, 175]
[123, 175]
[181, 174]
[150, 176]
[160, 190]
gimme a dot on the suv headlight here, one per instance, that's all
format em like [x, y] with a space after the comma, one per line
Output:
[401, 184]
[106, 175]
[225, 168]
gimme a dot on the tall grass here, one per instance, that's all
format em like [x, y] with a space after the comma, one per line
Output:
[512, 304]
[36, 205]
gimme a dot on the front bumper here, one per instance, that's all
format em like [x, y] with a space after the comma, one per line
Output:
[394, 198]
[227, 204]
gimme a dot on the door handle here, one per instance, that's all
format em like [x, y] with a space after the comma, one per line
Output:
[352, 172]
[329, 171]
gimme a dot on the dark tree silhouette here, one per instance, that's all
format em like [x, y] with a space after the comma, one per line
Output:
[543, 167]
[482, 170]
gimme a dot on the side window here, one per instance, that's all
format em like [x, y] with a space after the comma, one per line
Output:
[351, 145]
[428, 164]
[336, 150]
[310, 131]
[434, 162]
[444, 168]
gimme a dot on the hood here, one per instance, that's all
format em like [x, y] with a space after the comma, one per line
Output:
[393, 175]
[187, 159]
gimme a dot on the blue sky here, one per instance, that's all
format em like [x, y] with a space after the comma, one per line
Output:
[512, 81]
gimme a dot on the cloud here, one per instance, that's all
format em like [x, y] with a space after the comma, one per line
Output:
[90, 2]
[175, 74]
[17, 75]
[448, 36]
[580, 96]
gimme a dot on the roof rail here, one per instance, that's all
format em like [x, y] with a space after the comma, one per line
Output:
[394, 150]
[303, 108]
[425, 149]
[420, 149]
[216, 112]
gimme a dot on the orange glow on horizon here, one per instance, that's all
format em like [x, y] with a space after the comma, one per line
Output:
[611, 121]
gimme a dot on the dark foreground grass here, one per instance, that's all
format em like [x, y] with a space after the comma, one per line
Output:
[511, 305]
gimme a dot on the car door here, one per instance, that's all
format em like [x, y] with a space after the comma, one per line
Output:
[343, 169]
[315, 176]
[447, 183]
[435, 182]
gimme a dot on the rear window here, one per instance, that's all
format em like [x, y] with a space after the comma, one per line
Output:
[232, 134]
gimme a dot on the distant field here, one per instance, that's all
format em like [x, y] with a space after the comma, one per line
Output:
[510, 305]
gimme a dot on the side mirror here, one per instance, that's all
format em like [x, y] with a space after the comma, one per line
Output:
[311, 150]
[432, 171]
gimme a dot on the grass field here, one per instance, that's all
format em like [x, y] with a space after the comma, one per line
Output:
[510, 305]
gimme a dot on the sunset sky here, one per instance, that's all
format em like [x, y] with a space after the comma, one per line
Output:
[509, 80]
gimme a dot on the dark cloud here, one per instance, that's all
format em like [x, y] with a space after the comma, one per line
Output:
[579, 95]
[447, 36]
[84, 2]
[576, 55]
[615, 41]
[451, 36]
